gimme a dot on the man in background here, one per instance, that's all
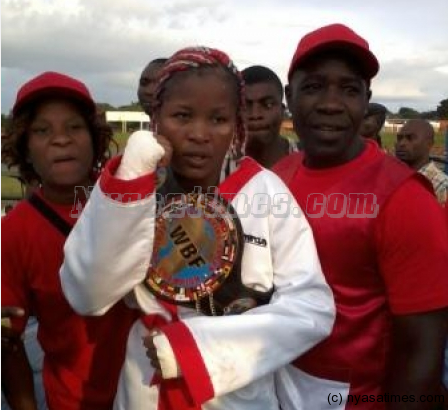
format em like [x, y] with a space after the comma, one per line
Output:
[147, 83]
[264, 116]
[374, 122]
[413, 146]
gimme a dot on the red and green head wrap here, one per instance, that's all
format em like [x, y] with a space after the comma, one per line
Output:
[192, 58]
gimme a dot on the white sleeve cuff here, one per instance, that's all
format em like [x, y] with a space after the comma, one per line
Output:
[165, 354]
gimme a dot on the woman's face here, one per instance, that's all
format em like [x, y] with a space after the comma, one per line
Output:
[60, 146]
[198, 115]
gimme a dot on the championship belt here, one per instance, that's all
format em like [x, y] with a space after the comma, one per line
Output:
[198, 243]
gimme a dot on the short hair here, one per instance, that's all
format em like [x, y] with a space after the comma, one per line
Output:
[260, 74]
[377, 109]
[158, 61]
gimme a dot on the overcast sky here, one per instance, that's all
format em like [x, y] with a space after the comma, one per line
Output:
[106, 43]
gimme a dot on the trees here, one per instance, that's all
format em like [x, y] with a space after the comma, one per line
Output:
[133, 106]
[441, 113]
[105, 107]
[442, 109]
[408, 113]
[5, 120]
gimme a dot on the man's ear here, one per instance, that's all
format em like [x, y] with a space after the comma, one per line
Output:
[369, 94]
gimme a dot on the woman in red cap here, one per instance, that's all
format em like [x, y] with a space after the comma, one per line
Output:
[58, 141]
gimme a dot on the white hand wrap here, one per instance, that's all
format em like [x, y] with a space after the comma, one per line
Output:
[167, 359]
[141, 155]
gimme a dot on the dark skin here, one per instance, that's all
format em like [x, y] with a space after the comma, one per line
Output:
[417, 357]
[17, 378]
[414, 142]
[147, 86]
[371, 126]
[60, 149]
[151, 352]
[264, 116]
[328, 98]
[328, 101]
[198, 118]
[10, 339]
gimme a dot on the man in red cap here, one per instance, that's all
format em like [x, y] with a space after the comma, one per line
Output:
[368, 213]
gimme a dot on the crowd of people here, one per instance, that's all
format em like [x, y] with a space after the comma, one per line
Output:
[341, 284]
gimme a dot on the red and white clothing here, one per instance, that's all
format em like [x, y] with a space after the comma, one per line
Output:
[83, 356]
[377, 267]
[226, 362]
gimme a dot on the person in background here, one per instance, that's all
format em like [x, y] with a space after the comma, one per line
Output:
[148, 83]
[264, 116]
[59, 142]
[373, 122]
[415, 140]
[368, 213]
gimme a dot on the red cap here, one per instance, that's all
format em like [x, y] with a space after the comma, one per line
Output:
[52, 84]
[339, 37]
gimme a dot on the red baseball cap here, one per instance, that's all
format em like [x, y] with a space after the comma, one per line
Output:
[339, 37]
[51, 84]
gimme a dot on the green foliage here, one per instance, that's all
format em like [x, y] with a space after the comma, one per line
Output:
[408, 113]
[11, 188]
[429, 115]
[105, 107]
[133, 106]
[5, 120]
[441, 113]
[442, 110]
[121, 139]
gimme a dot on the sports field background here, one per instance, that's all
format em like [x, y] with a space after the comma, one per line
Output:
[11, 187]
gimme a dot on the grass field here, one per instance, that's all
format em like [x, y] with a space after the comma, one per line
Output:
[388, 140]
[11, 187]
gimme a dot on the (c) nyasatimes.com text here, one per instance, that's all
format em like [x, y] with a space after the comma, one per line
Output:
[385, 398]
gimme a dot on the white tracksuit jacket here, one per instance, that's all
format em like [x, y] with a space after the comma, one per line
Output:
[106, 259]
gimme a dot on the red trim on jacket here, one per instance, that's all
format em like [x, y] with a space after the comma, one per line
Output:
[194, 371]
[194, 387]
[230, 187]
[121, 190]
